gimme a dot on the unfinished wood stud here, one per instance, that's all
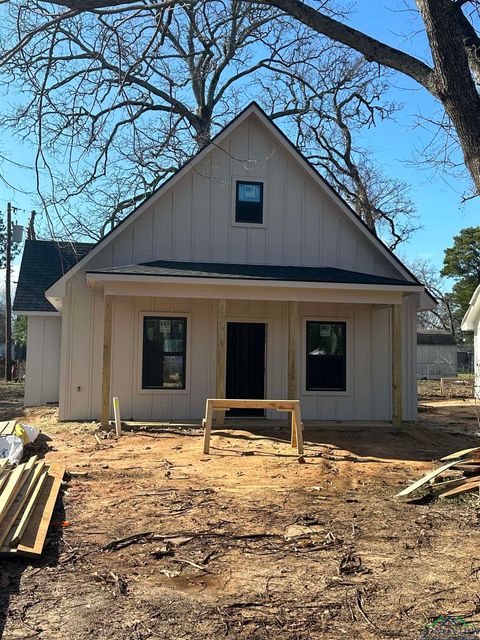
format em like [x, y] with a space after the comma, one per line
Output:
[221, 356]
[397, 402]
[107, 360]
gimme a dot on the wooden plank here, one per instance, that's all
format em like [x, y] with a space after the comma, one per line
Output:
[460, 454]
[298, 429]
[466, 487]
[3, 480]
[116, 413]
[31, 477]
[107, 359]
[236, 403]
[221, 360]
[208, 425]
[20, 524]
[397, 402]
[11, 488]
[33, 539]
[7, 427]
[426, 479]
[293, 317]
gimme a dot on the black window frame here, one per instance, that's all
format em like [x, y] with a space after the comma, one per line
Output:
[182, 353]
[248, 206]
[328, 389]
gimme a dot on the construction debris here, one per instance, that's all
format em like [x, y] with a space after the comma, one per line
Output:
[28, 494]
[467, 461]
[7, 428]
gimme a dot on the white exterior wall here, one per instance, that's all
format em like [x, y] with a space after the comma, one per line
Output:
[476, 352]
[193, 221]
[43, 360]
[368, 395]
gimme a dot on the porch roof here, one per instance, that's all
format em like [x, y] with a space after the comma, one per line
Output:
[263, 272]
[250, 282]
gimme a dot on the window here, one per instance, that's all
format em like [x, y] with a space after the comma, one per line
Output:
[164, 349]
[249, 202]
[326, 368]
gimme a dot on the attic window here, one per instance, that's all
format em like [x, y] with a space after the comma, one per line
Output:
[249, 202]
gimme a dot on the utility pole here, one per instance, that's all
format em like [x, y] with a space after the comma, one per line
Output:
[31, 235]
[8, 298]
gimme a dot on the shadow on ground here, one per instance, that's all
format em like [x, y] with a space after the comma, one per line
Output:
[419, 443]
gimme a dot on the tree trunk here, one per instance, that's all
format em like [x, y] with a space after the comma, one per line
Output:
[450, 81]
[453, 81]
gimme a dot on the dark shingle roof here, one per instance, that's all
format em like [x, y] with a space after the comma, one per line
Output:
[251, 272]
[433, 337]
[44, 262]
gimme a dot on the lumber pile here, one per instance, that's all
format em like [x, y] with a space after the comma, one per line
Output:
[7, 428]
[467, 461]
[28, 494]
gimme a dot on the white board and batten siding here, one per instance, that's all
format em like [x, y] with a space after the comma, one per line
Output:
[193, 221]
[368, 395]
[43, 361]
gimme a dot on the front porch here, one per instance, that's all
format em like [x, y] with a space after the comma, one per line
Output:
[374, 321]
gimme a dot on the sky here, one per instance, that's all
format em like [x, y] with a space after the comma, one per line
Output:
[393, 143]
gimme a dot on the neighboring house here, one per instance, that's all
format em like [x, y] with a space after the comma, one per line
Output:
[471, 322]
[436, 354]
[43, 263]
[243, 275]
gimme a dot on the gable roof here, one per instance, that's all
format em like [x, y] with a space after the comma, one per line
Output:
[44, 262]
[473, 311]
[435, 337]
[171, 268]
[253, 108]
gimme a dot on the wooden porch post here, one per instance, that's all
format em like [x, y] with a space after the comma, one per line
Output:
[397, 405]
[292, 350]
[221, 356]
[107, 360]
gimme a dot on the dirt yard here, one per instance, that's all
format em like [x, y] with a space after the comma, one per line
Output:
[458, 388]
[248, 542]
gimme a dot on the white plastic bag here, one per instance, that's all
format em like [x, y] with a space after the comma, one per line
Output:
[11, 447]
[30, 432]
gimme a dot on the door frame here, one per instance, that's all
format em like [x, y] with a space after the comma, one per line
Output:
[268, 349]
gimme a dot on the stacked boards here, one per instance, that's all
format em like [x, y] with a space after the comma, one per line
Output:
[467, 461]
[7, 428]
[27, 499]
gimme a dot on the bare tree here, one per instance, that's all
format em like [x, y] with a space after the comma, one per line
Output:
[329, 111]
[451, 76]
[124, 95]
[443, 316]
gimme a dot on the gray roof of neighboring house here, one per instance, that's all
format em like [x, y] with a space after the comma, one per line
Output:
[44, 262]
[433, 337]
[172, 268]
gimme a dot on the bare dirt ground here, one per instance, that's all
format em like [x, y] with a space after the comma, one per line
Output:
[253, 546]
[459, 388]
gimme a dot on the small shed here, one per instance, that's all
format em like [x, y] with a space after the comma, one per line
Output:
[471, 322]
[436, 354]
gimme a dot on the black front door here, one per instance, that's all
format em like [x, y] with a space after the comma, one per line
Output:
[246, 364]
